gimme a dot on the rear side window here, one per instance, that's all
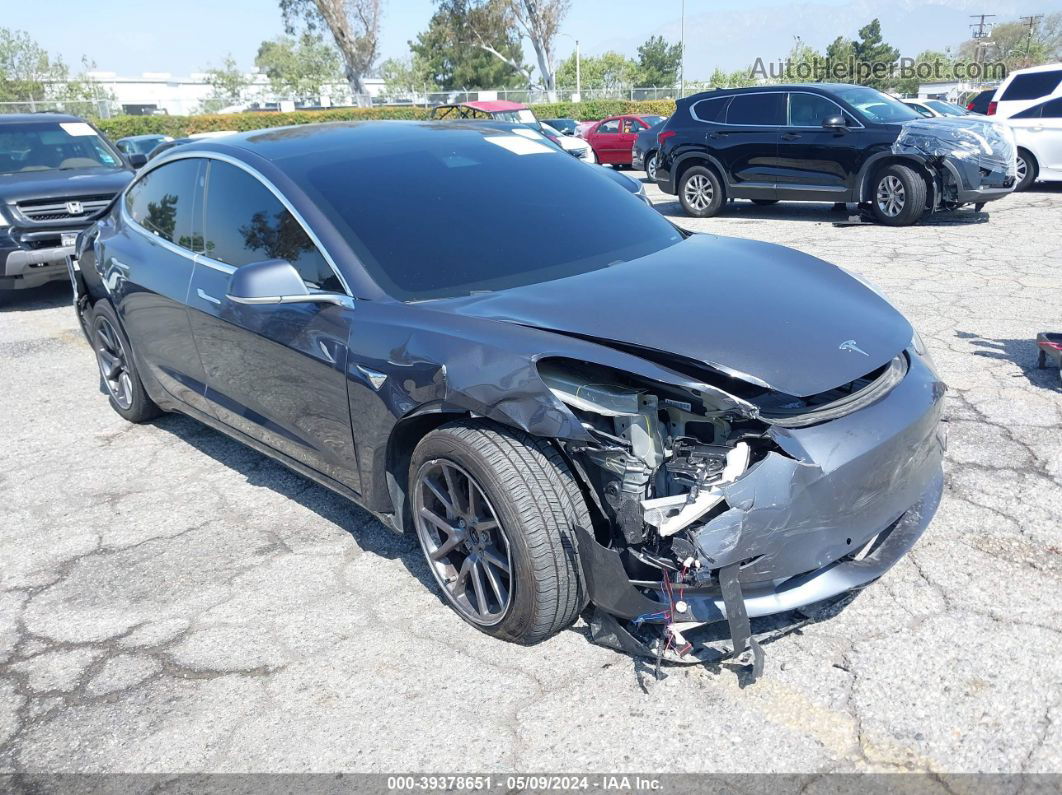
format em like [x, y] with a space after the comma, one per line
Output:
[163, 201]
[711, 110]
[1030, 113]
[1052, 109]
[757, 109]
[1033, 85]
[246, 223]
[610, 126]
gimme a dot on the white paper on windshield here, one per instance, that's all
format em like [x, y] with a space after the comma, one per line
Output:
[76, 128]
[518, 144]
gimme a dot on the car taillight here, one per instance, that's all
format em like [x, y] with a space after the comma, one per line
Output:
[991, 108]
[663, 135]
[969, 106]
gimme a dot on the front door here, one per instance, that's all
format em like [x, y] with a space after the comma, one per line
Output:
[274, 372]
[148, 259]
[815, 162]
[605, 140]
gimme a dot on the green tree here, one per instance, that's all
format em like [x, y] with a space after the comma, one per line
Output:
[840, 61]
[227, 84]
[299, 68]
[926, 67]
[658, 63]
[610, 70]
[874, 57]
[29, 74]
[470, 45]
[404, 76]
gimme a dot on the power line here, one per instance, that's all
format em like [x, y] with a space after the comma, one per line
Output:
[977, 29]
[1031, 22]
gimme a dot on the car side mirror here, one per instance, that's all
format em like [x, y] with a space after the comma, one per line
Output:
[834, 123]
[136, 159]
[275, 281]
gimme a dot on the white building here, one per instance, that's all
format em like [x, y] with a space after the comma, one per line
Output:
[161, 92]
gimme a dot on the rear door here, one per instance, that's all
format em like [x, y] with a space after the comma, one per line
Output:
[747, 143]
[274, 372]
[815, 162]
[148, 262]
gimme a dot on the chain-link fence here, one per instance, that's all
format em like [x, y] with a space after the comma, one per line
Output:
[91, 108]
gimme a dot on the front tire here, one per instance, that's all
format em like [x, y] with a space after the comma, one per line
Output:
[899, 196]
[1027, 170]
[118, 374]
[495, 511]
[700, 192]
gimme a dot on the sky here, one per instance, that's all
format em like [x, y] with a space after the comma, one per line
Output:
[180, 38]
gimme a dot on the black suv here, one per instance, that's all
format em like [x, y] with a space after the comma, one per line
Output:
[829, 142]
[57, 175]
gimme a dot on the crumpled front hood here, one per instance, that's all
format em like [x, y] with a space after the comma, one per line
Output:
[776, 315]
[961, 137]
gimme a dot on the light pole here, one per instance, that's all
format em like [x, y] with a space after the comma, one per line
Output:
[682, 45]
[578, 75]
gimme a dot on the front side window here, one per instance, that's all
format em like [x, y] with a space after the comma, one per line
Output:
[1052, 109]
[874, 106]
[163, 201]
[54, 146]
[1032, 85]
[632, 126]
[246, 223]
[757, 109]
[810, 110]
[610, 126]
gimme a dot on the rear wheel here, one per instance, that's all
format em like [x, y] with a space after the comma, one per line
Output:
[495, 511]
[118, 374]
[650, 166]
[1027, 170]
[899, 196]
[700, 192]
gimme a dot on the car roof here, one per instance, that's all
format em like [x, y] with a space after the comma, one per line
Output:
[823, 88]
[21, 118]
[280, 144]
[1047, 67]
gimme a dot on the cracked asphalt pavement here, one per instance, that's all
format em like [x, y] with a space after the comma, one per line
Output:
[171, 601]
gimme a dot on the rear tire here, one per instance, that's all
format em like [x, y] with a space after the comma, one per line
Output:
[700, 192]
[1028, 168]
[650, 166]
[118, 374]
[526, 486]
[898, 196]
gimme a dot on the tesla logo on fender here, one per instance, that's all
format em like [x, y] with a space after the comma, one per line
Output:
[74, 208]
[850, 345]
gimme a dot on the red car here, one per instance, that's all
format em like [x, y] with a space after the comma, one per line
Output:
[613, 138]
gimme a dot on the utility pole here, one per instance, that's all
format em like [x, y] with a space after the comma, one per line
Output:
[682, 44]
[1031, 22]
[977, 29]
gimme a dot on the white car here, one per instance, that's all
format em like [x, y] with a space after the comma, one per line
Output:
[935, 107]
[572, 145]
[1024, 88]
[1038, 134]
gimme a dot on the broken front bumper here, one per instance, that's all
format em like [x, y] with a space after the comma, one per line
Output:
[852, 496]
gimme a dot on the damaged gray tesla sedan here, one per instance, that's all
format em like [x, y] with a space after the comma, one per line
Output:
[568, 400]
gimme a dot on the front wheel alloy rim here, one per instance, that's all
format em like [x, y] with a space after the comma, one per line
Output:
[891, 196]
[650, 168]
[698, 192]
[114, 363]
[1023, 169]
[463, 542]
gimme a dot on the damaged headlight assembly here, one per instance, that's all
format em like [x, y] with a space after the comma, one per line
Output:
[717, 505]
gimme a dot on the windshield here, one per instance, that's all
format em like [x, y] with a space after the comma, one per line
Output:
[524, 116]
[144, 145]
[53, 146]
[874, 106]
[946, 108]
[491, 211]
